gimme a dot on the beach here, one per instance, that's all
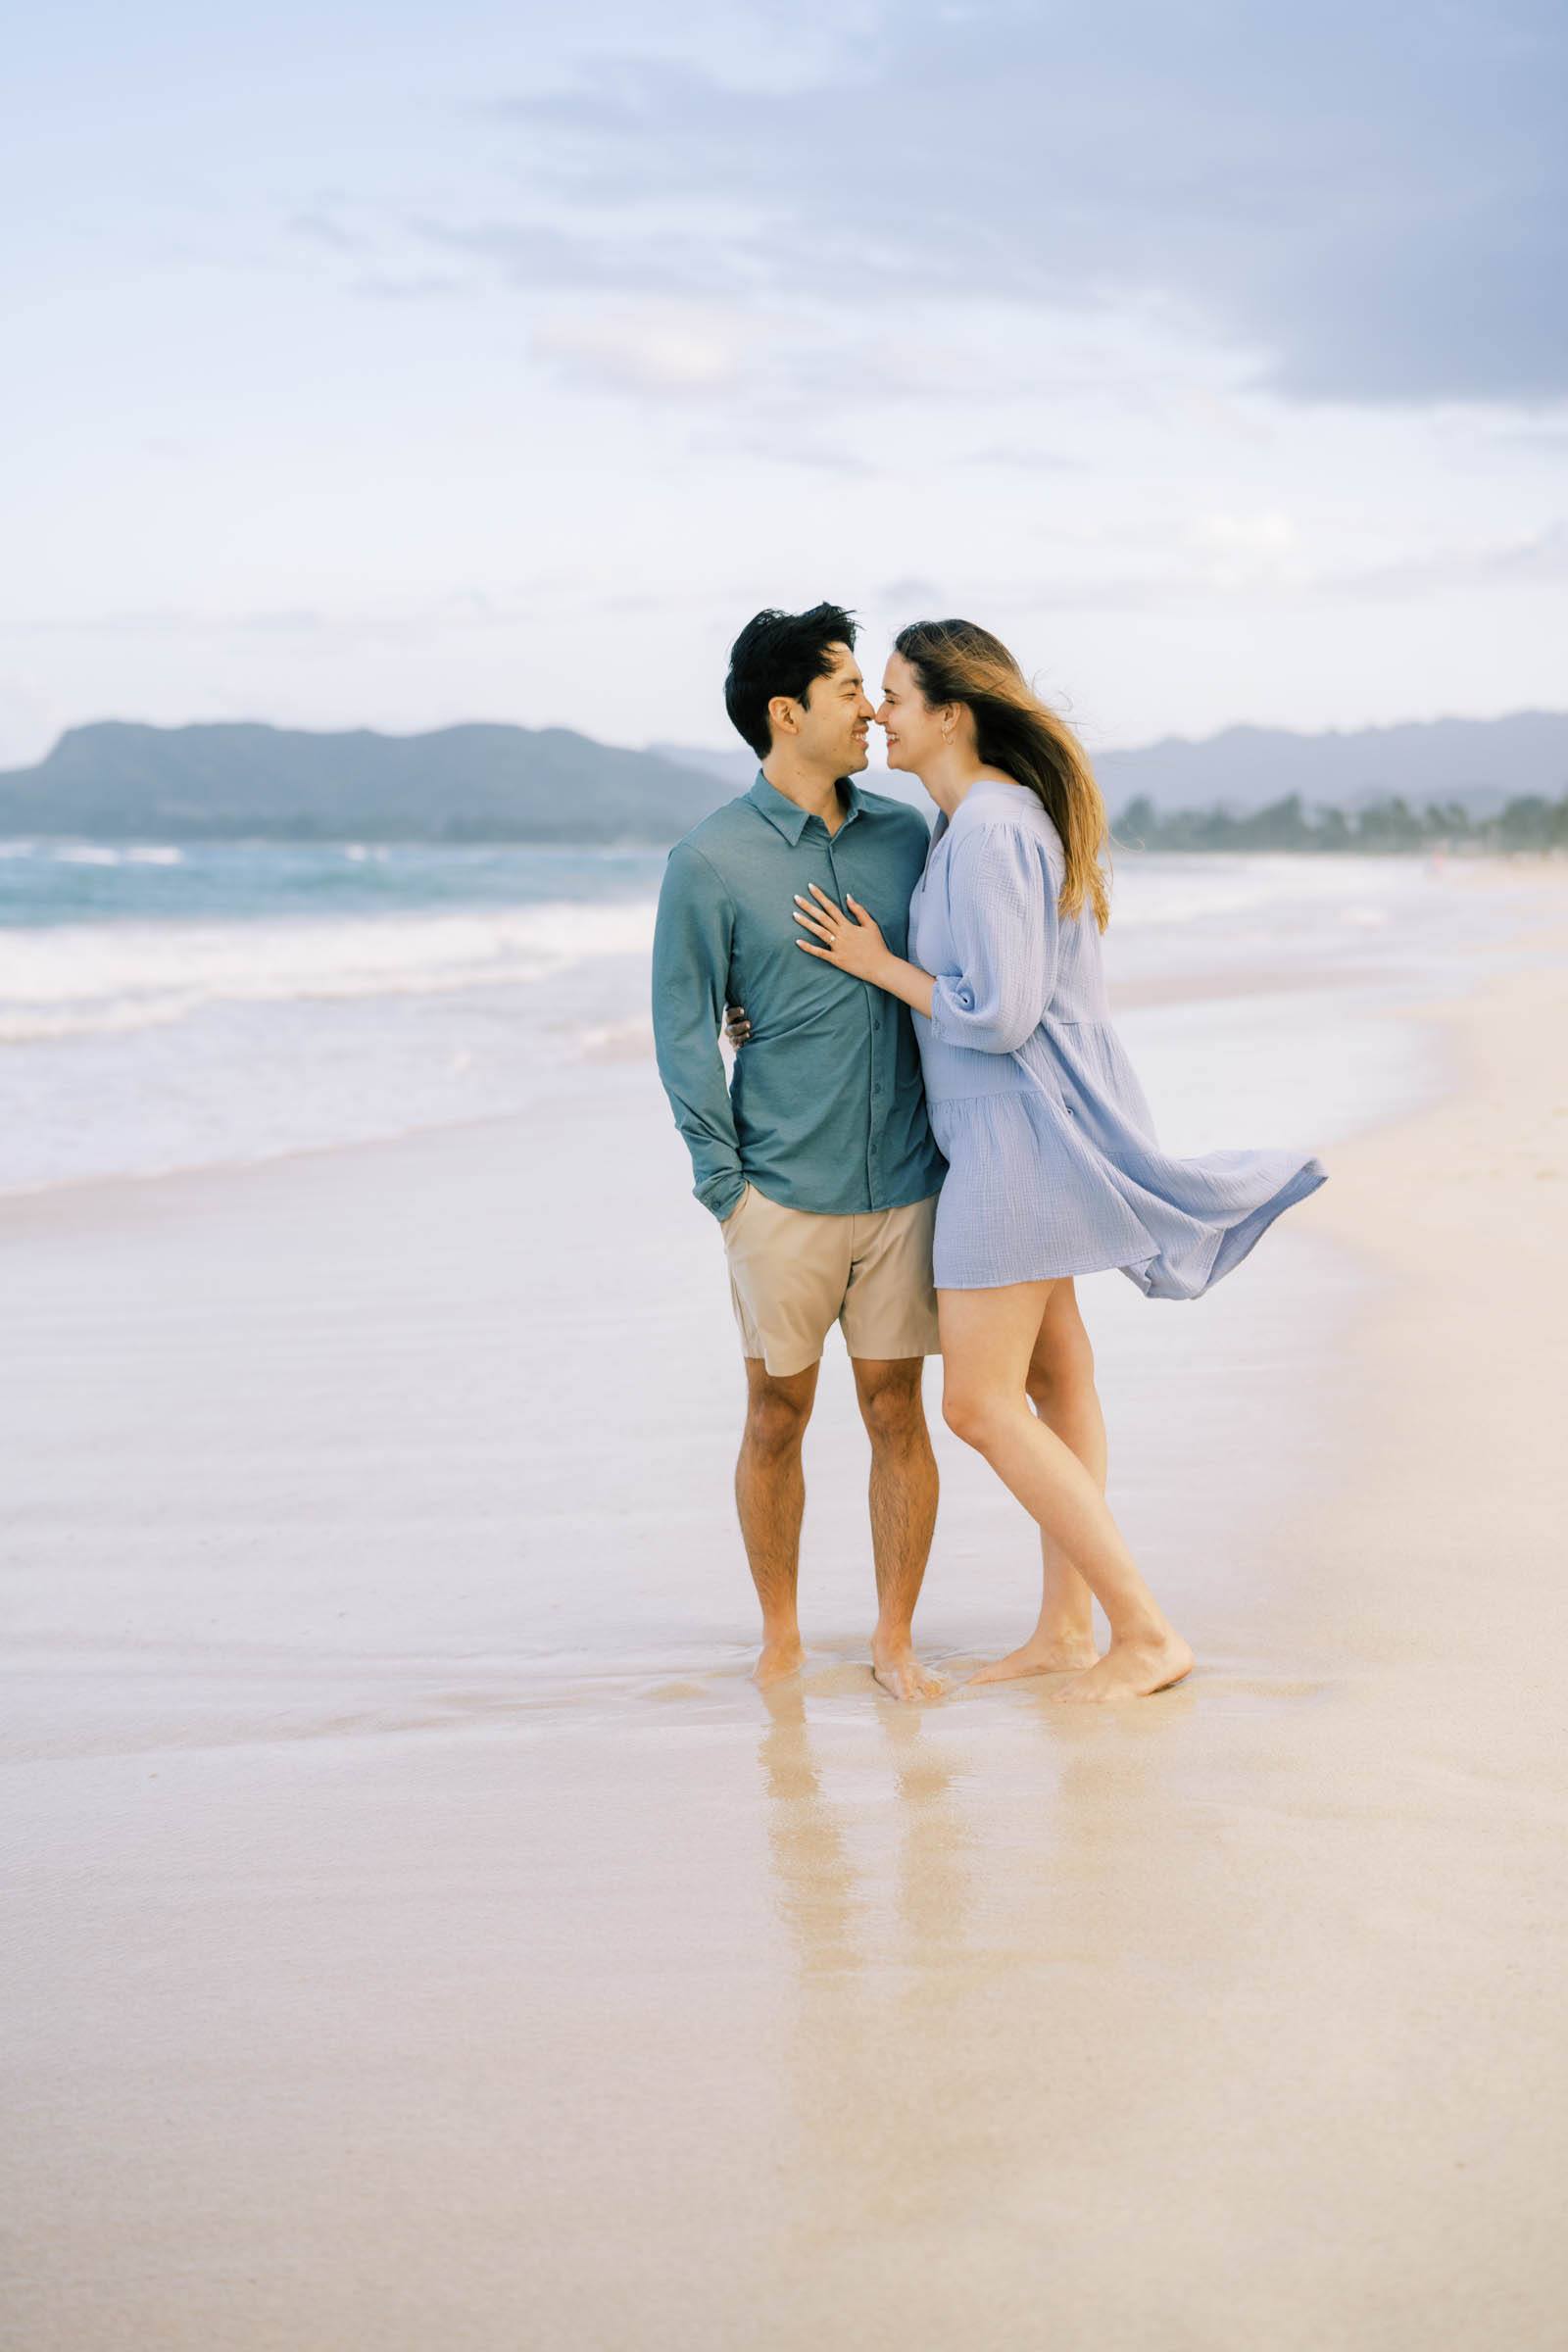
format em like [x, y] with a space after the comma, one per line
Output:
[422, 1933]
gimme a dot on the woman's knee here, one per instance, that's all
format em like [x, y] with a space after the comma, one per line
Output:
[1063, 1362]
[973, 1414]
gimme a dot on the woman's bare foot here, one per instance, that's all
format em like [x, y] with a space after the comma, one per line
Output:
[1128, 1670]
[778, 1660]
[1056, 1653]
[901, 1672]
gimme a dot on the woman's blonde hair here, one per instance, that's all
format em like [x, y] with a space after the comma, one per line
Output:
[958, 662]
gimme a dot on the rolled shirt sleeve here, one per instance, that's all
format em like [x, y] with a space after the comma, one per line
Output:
[692, 938]
[1006, 929]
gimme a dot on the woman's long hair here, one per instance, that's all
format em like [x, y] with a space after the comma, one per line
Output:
[956, 662]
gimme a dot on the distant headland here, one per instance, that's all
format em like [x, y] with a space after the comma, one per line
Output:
[1498, 783]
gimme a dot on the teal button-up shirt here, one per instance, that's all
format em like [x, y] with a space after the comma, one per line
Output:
[825, 1109]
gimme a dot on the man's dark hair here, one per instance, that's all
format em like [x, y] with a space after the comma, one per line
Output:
[780, 653]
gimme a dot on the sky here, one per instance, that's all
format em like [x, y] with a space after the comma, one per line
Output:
[398, 365]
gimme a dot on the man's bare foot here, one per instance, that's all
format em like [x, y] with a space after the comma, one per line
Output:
[901, 1672]
[1128, 1670]
[1059, 1654]
[778, 1660]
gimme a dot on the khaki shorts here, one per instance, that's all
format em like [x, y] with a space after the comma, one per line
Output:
[794, 1274]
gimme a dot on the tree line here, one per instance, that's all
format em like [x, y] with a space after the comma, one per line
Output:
[1528, 823]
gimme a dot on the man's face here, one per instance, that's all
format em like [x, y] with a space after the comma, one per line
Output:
[832, 728]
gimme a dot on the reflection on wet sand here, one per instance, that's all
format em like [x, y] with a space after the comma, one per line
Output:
[827, 1899]
[945, 1885]
[806, 1843]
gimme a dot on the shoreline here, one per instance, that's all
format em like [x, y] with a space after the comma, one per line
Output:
[95, 1104]
[1462, 850]
[565, 1085]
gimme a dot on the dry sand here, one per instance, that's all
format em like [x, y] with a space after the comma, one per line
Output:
[422, 1935]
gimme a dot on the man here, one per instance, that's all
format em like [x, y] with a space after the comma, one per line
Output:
[816, 1158]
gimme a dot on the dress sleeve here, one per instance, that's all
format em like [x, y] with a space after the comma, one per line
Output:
[1002, 909]
[692, 939]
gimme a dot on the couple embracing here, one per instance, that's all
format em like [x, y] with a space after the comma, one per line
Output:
[931, 1127]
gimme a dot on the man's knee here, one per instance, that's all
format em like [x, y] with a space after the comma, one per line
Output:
[891, 1407]
[777, 1412]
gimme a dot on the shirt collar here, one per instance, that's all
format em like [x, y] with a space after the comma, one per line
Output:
[789, 817]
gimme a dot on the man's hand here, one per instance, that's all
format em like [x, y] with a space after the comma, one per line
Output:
[737, 1028]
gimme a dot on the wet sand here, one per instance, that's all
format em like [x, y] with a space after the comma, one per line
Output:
[421, 1932]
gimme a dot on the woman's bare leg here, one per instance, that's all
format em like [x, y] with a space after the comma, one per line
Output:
[1060, 1386]
[988, 1340]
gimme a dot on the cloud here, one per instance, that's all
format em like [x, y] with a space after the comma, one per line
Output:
[622, 257]
[648, 353]
[1548, 439]
[419, 285]
[1504, 563]
[1370, 205]
[1255, 561]
[908, 593]
[1022, 458]
[410, 620]
[322, 227]
[764, 367]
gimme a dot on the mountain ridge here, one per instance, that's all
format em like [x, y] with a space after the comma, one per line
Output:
[245, 779]
[119, 779]
[1481, 762]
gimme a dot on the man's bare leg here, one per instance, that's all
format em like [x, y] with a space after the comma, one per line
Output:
[1060, 1386]
[771, 1498]
[903, 1515]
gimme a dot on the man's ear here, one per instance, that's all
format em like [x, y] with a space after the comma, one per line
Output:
[783, 715]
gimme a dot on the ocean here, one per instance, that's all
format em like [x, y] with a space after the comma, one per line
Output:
[171, 1007]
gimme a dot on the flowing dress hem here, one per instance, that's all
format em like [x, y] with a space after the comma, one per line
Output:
[1222, 1251]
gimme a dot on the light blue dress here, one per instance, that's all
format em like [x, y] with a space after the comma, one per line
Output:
[1053, 1166]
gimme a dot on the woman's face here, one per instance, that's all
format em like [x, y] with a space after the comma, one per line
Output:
[913, 729]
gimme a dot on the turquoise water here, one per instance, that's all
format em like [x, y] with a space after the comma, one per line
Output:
[47, 883]
[179, 1005]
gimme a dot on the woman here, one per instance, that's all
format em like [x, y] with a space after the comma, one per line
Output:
[1053, 1171]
